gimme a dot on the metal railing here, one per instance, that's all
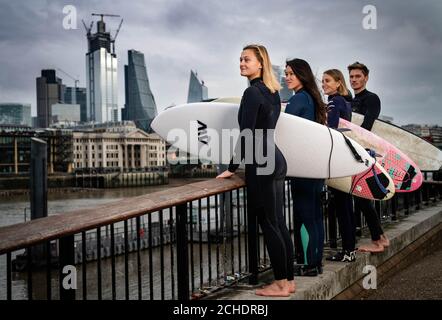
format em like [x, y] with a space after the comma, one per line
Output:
[181, 243]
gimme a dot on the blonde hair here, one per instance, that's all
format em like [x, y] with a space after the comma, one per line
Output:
[268, 77]
[338, 77]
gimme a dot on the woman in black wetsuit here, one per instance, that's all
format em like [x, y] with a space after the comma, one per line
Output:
[339, 106]
[307, 208]
[259, 111]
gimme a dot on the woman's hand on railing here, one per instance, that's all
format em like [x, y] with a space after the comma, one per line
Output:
[225, 174]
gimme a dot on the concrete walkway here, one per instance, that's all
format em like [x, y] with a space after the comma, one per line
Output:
[421, 280]
[339, 276]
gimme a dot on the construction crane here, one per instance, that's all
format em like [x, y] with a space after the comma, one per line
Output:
[115, 37]
[88, 30]
[75, 79]
[105, 15]
[74, 97]
[118, 29]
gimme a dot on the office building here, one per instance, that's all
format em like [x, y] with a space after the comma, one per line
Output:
[197, 90]
[140, 104]
[15, 114]
[101, 77]
[50, 90]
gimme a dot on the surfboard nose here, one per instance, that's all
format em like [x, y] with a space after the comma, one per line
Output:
[154, 124]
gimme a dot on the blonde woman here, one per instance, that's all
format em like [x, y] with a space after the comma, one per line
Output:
[333, 85]
[260, 109]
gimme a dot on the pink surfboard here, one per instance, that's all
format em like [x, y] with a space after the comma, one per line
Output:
[373, 184]
[405, 174]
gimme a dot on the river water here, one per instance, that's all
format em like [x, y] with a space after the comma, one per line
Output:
[13, 209]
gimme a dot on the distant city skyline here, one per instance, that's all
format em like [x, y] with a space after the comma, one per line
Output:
[403, 53]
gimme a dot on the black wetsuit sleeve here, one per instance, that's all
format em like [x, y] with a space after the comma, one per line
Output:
[333, 113]
[373, 110]
[248, 115]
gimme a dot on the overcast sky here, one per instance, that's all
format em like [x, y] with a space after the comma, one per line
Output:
[403, 54]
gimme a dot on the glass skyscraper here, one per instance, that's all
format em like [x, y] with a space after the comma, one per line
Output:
[197, 90]
[101, 77]
[140, 104]
[15, 114]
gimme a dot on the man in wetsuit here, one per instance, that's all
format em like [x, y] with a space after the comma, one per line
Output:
[368, 104]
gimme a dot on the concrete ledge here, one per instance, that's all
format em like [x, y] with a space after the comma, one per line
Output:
[338, 276]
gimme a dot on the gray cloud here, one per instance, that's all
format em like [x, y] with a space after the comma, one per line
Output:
[403, 54]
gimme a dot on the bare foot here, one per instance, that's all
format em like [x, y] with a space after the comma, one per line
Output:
[292, 286]
[384, 240]
[373, 247]
[276, 289]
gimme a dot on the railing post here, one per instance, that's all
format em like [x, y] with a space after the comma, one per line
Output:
[38, 191]
[418, 198]
[438, 191]
[406, 204]
[394, 208]
[66, 258]
[434, 189]
[182, 253]
[426, 194]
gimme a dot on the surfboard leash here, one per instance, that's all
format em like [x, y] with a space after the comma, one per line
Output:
[355, 183]
[331, 152]
[372, 153]
[352, 149]
[384, 191]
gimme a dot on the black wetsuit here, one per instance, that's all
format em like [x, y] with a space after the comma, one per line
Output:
[306, 194]
[368, 104]
[260, 109]
[339, 107]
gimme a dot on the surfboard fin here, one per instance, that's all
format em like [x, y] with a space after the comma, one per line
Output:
[373, 153]
[343, 129]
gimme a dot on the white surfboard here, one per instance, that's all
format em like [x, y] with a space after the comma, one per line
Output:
[426, 156]
[361, 185]
[310, 149]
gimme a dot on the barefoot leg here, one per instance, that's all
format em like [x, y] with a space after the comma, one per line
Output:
[292, 286]
[278, 288]
[374, 247]
[384, 240]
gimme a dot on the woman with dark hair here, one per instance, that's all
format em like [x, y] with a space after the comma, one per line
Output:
[259, 111]
[307, 208]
